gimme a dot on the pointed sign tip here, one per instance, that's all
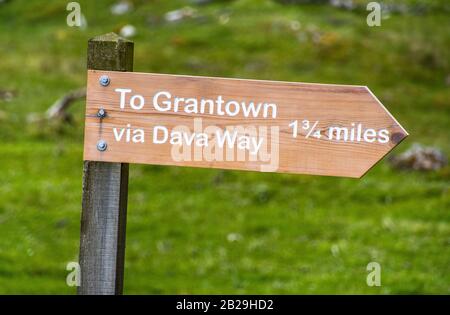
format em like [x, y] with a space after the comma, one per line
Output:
[403, 132]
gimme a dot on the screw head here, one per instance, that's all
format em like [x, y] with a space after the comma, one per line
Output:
[104, 80]
[102, 145]
[101, 113]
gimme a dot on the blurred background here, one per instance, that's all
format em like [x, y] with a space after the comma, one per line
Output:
[211, 231]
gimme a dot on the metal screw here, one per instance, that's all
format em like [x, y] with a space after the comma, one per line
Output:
[101, 113]
[102, 145]
[104, 80]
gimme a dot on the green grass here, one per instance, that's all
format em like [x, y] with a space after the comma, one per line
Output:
[293, 234]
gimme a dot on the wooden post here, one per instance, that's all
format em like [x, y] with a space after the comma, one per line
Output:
[105, 192]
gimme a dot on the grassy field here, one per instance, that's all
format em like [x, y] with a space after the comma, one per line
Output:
[211, 231]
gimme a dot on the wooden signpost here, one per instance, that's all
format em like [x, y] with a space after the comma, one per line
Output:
[268, 126]
[319, 129]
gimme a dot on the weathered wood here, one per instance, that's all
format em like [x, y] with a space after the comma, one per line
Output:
[60, 107]
[105, 191]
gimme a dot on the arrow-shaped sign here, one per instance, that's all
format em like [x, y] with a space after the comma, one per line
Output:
[269, 126]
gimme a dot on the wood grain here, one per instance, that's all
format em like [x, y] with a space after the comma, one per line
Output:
[105, 192]
[330, 105]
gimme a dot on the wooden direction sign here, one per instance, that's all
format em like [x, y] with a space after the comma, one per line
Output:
[268, 126]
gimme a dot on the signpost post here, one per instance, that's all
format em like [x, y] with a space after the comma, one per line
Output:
[268, 126]
[105, 192]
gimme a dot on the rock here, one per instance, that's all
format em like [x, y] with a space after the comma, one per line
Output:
[345, 4]
[224, 18]
[121, 8]
[6, 95]
[128, 31]
[295, 25]
[180, 14]
[420, 158]
[234, 237]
